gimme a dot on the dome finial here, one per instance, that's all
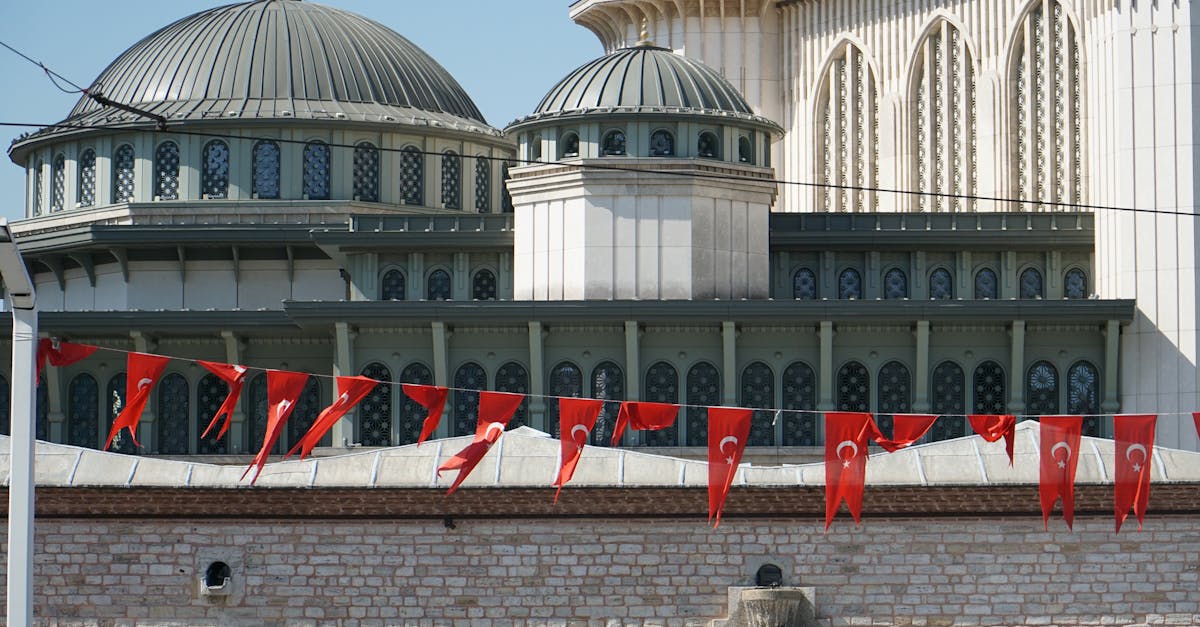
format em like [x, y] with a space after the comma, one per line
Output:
[644, 35]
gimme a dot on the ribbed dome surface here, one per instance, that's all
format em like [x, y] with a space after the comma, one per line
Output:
[281, 59]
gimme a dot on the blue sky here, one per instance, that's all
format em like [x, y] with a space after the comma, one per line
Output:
[505, 53]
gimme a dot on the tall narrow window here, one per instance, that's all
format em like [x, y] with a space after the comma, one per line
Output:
[412, 176]
[895, 394]
[1041, 389]
[122, 174]
[941, 284]
[948, 392]
[438, 286]
[989, 395]
[255, 399]
[166, 171]
[1046, 108]
[316, 170]
[468, 378]
[114, 402]
[708, 146]
[566, 379]
[366, 172]
[986, 285]
[853, 387]
[1075, 284]
[266, 169]
[483, 184]
[1031, 284]
[305, 413]
[943, 122]
[662, 386]
[512, 377]
[1083, 396]
[757, 389]
[83, 418]
[392, 285]
[849, 284]
[703, 388]
[173, 415]
[58, 196]
[37, 187]
[483, 285]
[895, 284]
[412, 413]
[451, 180]
[799, 395]
[214, 172]
[506, 203]
[804, 284]
[745, 150]
[210, 395]
[5, 407]
[608, 383]
[568, 146]
[42, 419]
[375, 410]
[847, 141]
[87, 178]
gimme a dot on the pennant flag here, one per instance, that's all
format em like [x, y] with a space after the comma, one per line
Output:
[728, 430]
[143, 372]
[283, 390]
[235, 378]
[353, 390]
[1134, 443]
[846, 435]
[906, 429]
[992, 427]
[576, 418]
[495, 410]
[61, 355]
[1196, 419]
[1060, 437]
[643, 416]
[433, 399]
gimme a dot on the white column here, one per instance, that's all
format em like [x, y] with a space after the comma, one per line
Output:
[21, 468]
[343, 366]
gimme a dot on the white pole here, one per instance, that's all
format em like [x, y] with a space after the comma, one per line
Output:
[20, 475]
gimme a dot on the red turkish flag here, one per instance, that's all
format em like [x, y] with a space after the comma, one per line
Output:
[846, 474]
[61, 355]
[992, 427]
[495, 410]
[353, 390]
[143, 372]
[234, 377]
[643, 416]
[283, 391]
[1196, 419]
[906, 429]
[433, 399]
[1134, 446]
[728, 430]
[1060, 437]
[576, 418]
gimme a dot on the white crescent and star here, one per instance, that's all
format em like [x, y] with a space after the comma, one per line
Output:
[844, 444]
[1062, 463]
[729, 439]
[344, 398]
[493, 425]
[283, 406]
[145, 382]
[1137, 466]
[579, 441]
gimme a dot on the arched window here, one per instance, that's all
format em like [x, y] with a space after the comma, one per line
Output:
[535, 149]
[987, 287]
[173, 415]
[804, 284]
[506, 204]
[412, 176]
[214, 173]
[895, 394]
[1046, 108]
[608, 383]
[392, 285]
[1083, 396]
[1031, 284]
[166, 171]
[375, 410]
[483, 184]
[613, 144]
[210, 395]
[941, 284]
[5, 407]
[87, 178]
[568, 145]
[122, 174]
[708, 146]
[1041, 389]
[662, 386]
[316, 170]
[757, 389]
[469, 376]
[305, 413]
[256, 412]
[853, 387]
[37, 187]
[114, 402]
[662, 144]
[58, 196]
[849, 284]
[566, 379]
[799, 394]
[266, 169]
[438, 286]
[451, 180]
[989, 394]
[412, 413]
[483, 285]
[895, 284]
[83, 417]
[948, 392]
[745, 150]
[703, 388]
[943, 120]
[847, 138]
[514, 378]
[1075, 284]
[366, 172]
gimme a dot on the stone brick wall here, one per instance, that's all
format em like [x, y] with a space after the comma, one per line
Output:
[920, 571]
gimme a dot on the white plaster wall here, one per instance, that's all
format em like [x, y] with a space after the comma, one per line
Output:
[154, 285]
[318, 280]
[263, 285]
[209, 285]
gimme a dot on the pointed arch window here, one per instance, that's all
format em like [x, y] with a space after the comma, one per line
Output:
[412, 176]
[375, 410]
[265, 177]
[943, 124]
[989, 394]
[307, 408]
[122, 174]
[662, 386]
[412, 413]
[469, 376]
[987, 286]
[166, 171]
[451, 180]
[483, 184]
[316, 170]
[366, 172]
[847, 138]
[483, 285]
[608, 383]
[1031, 284]
[87, 178]
[849, 284]
[1083, 396]
[512, 377]
[438, 286]
[173, 415]
[948, 391]
[799, 395]
[941, 284]
[58, 196]
[83, 419]
[1075, 284]
[853, 387]
[804, 284]
[703, 389]
[210, 395]
[114, 402]
[757, 389]
[1041, 389]
[566, 379]
[895, 394]
[895, 284]
[392, 285]
[214, 172]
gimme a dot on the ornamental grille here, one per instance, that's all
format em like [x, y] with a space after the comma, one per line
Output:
[609, 384]
[302, 418]
[483, 285]
[1041, 388]
[316, 171]
[613, 144]
[37, 188]
[375, 410]
[412, 176]
[943, 120]
[895, 284]
[847, 144]
[708, 146]
[986, 285]
[799, 393]
[703, 388]
[1083, 396]
[266, 170]
[87, 178]
[392, 286]
[166, 171]
[483, 185]
[506, 203]
[114, 402]
[941, 284]
[412, 413]
[758, 390]
[366, 172]
[83, 419]
[849, 284]
[854, 387]
[59, 181]
[895, 394]
[438, 286]
[1075, 284]
[1031, 284]
[211, 392]
[662, 144]
[451, 181]
[512, 377]
[214, 175]
[256, 412]
[566, 379]
[662, 386]
[173, 433]
[122, 183]
[469, 376]
[5, 407]
[989, 395]
[745, 150]
[948, 391]
[804, 284]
